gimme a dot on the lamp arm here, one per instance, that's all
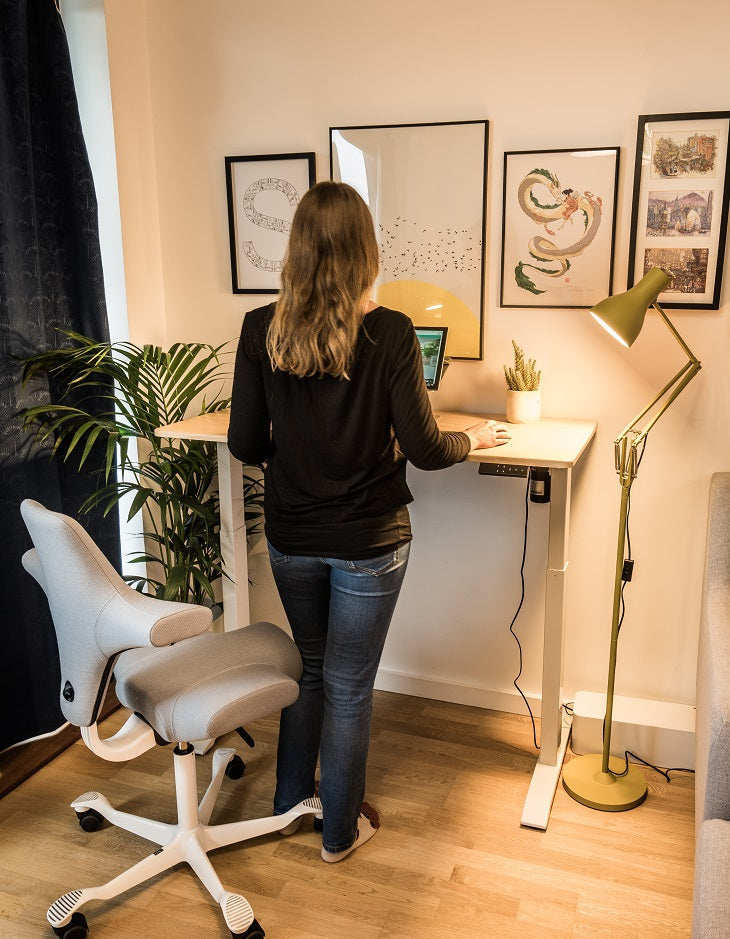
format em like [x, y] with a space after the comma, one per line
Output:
[691, 370]
[654, 401]
[672, 329]
[678, 383]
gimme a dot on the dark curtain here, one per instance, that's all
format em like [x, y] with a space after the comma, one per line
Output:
[50, 279]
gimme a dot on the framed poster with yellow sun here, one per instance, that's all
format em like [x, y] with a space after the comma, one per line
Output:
[425, 185]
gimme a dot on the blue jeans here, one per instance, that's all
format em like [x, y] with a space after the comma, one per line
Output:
[339, 613]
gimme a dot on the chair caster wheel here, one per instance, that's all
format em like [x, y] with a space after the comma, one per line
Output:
[235, 769]
[254, 931]
[76, 929]
[90, 820]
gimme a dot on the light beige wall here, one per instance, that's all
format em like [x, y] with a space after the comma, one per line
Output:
[135, 127]
[196, 80]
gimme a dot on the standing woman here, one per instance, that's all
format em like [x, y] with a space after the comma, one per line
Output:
[328, 391]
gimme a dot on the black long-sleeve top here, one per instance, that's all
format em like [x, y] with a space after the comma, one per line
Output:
[336, 449]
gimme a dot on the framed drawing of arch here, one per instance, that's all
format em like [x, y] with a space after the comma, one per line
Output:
[558, 224]
[263, 192]
[425, 185]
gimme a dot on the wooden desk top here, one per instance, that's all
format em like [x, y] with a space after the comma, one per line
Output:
[556, 442]
[552, 442]
[213, 426]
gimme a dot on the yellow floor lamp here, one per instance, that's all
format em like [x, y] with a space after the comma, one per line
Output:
[599, 780]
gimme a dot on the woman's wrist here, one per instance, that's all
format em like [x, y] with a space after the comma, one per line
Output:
[473, 442]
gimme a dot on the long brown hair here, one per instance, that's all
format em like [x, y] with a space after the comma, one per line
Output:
[330, 265]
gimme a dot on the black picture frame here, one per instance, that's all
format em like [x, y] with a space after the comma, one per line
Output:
[257, 237]
[426, 187]
[679, 209]
[558, 227]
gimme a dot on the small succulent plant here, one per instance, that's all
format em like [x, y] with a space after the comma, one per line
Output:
[523, 376]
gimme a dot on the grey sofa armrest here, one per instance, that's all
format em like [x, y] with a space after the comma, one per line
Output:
[711, 908]
[712, 785]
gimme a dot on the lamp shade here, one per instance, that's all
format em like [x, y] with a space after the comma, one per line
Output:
[623, 315]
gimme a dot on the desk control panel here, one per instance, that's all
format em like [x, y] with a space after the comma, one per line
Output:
[503, 469]
[539, 477]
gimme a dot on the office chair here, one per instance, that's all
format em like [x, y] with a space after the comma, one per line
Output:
[181, 682]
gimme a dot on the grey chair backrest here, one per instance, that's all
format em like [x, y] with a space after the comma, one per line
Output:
[96, 615]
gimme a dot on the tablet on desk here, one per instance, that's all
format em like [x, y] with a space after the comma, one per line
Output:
[432, 340]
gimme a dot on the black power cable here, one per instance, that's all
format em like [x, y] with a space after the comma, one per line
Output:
[662, 772]
[519, 607]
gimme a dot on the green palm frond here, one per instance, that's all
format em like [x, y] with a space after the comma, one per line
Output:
[172, 483]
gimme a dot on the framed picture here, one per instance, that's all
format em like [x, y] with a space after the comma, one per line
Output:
[679, 211]
[558, 227]
[425, 185]
[263, 192]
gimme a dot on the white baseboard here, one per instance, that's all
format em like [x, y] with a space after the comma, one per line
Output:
[659, 732]
[455, 692]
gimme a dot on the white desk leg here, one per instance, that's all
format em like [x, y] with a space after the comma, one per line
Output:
[233, 540]
[234, 550]
[555, 725]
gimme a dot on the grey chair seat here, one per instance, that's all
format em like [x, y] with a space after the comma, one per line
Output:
[212, 684]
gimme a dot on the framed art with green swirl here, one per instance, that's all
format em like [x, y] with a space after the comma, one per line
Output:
[680, 205]
[425, 185]
[263, 192]
[558, 227]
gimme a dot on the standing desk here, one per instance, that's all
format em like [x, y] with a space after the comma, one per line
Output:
[555, 444]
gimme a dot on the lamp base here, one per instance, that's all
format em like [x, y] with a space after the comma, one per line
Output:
[607, 792]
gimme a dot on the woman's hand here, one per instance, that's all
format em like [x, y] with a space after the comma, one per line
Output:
[487, 434]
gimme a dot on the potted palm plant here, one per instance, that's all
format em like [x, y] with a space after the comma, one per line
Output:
[523, 403]
[171, 482]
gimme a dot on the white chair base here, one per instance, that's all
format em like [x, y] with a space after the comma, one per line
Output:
[189, 840]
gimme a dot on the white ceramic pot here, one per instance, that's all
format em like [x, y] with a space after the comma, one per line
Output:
[523, 407]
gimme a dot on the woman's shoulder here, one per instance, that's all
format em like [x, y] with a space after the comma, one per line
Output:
[254, 327]
[387, 321]
[254, 319]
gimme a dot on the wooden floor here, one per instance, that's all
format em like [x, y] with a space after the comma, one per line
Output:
[450, 859]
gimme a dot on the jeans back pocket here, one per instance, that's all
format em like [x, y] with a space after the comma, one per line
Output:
[383, 563]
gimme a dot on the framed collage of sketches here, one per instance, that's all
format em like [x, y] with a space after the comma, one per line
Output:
[680, 205]
[425, 185]
[558, 224]
[263, 192]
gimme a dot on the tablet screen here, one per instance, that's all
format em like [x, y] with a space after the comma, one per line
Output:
[432, 340]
